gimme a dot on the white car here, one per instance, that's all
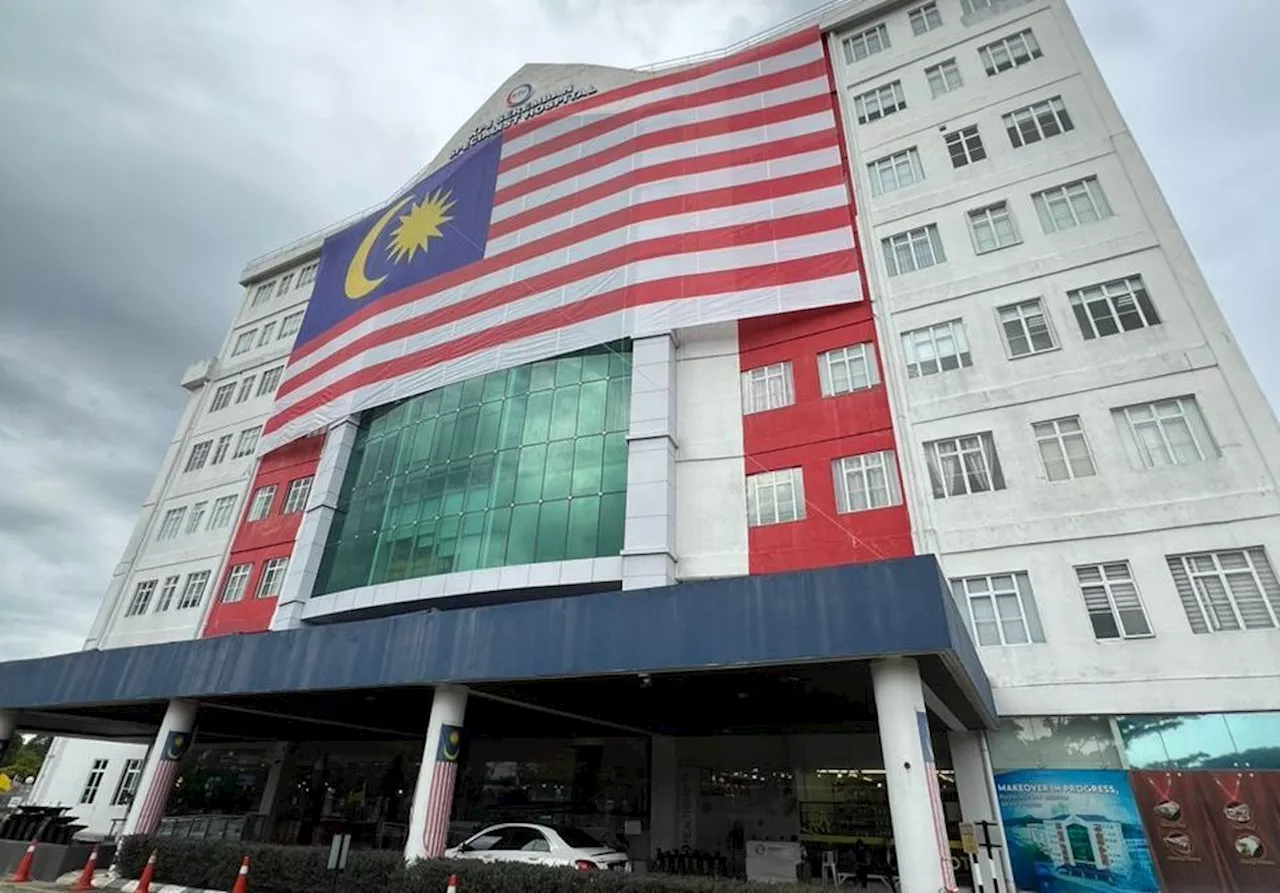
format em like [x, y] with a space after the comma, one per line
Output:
[541, 845]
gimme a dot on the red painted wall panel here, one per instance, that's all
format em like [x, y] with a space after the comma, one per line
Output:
[811, 434]
[256, 542]
[817, 430]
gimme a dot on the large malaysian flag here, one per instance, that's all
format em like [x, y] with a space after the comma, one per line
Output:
[708, 194]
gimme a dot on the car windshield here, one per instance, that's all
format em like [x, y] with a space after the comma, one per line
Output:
[579, 840]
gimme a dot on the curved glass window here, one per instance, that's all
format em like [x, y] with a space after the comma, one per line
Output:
[515, 467]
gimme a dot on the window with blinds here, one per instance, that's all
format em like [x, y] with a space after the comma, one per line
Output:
[1111, 598]
[1232, 589]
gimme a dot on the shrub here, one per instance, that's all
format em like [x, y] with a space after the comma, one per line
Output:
[213, 864]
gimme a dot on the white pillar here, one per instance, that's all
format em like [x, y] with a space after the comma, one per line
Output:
[433, 794]
[313, 531]
[974, 785]
[663, 794]
[649, 538]
[7, 728]
[168, 749]
[281, 756]
[915, 803]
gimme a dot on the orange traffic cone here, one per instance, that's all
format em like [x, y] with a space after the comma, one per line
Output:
[144, 882]
[242, 879]
[453, 884]
[23, 874]
[85, 881]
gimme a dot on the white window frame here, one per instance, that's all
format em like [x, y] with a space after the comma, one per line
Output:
[1112, 601]
[858, 362]
[866, 43]
[944, 77]
[94, 781]
[913, 250]
[972, 6]
[1054, 436]
[1010, 52]
[767, 387]
[1023, 316]
[764, 505]
[269, 381]
[260, 504]
[1161, 419]
[879, 103]
[272, 577]
[127, 786]
[222, 396]
[995, 221]
[193, 590]
[244, 342]
[924, 346]
[246, 388]
[1037, 122]
[233, 588]
[141, 599]
[248, 442]
[307, 274]
[223, 513]
[167, 592]
[286, 283]
[1120, 302]
[896, 171]
[290, 325]
[268, 329]
[199, 456]
[263, 293]
[171, 523]
[220, 449]
[865, 482]
[1247, 585]
[1003, 593]
[924, 19]
[1078, 203]
[969, 140]
[195, 516]
[970, 460]
[295, 498]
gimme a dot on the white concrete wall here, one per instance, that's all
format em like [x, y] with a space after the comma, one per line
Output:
[1121, 514]
[66, 769]
[711, 500]
[203, 549]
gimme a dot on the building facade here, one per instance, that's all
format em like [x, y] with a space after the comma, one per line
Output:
[1029, 382]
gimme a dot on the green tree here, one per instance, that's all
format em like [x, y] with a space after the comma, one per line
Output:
[25, 758]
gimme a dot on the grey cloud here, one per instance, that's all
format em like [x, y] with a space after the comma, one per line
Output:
[151, 148]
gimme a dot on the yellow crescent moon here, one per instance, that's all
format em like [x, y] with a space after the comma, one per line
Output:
[358, 284]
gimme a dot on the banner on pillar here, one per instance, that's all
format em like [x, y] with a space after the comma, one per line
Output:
[935, 802]
[450, 746]
[175, 746]
[1074, 829]
[1213, 830]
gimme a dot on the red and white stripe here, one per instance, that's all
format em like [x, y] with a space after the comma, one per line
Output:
[706, 195]
[157, 795]
[435, 831]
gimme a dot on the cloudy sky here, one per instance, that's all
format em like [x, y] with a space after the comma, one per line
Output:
[149, 149]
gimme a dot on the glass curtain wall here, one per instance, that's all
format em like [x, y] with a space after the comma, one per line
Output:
[516, 467]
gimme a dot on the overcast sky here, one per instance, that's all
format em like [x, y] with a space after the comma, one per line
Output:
[149, 149]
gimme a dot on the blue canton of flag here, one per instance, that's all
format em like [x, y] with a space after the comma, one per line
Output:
[450, 746]
[439, 225]
[175, 746]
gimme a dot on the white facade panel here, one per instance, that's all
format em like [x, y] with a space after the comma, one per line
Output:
[1120, 513]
